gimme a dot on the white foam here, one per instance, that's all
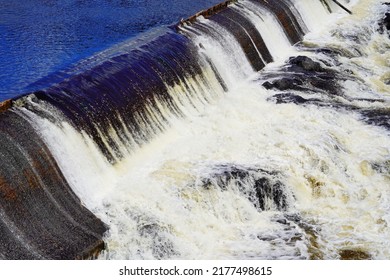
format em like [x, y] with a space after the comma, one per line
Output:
[269, 27]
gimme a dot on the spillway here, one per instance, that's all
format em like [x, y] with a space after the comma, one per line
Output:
[257, 129]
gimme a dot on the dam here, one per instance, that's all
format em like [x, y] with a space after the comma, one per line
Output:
[256, 129]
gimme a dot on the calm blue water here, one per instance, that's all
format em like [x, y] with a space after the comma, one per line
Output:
[41, 37]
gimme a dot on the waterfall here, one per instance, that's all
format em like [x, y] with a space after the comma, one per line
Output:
[254, 130]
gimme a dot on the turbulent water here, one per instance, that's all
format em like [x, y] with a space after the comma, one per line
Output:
[289, 162]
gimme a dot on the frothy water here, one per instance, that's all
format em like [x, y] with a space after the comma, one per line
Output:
[295, 172]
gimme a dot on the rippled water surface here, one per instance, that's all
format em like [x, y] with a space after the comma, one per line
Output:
[41, 37]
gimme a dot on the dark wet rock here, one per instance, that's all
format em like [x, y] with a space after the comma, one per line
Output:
[379, 117]
[306, 63]
[325, 85]
[288, 98]
[266, 189]
[260, 186]
[302, 76]
[295, 78]
[382, 167]
[384, 23]
[282, 221]
[305, 82]
[302, 73]
[284, 84]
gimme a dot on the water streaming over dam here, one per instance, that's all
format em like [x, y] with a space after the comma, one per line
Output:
[254, 130]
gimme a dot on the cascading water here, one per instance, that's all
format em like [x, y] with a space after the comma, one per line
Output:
[185, 150]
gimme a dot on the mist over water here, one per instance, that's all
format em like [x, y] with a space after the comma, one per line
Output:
[289, 162]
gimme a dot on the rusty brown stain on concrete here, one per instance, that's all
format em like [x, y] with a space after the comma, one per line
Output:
[7, 191]
[31, 179]
[5, 105]
[93, 251]
[207, 13]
